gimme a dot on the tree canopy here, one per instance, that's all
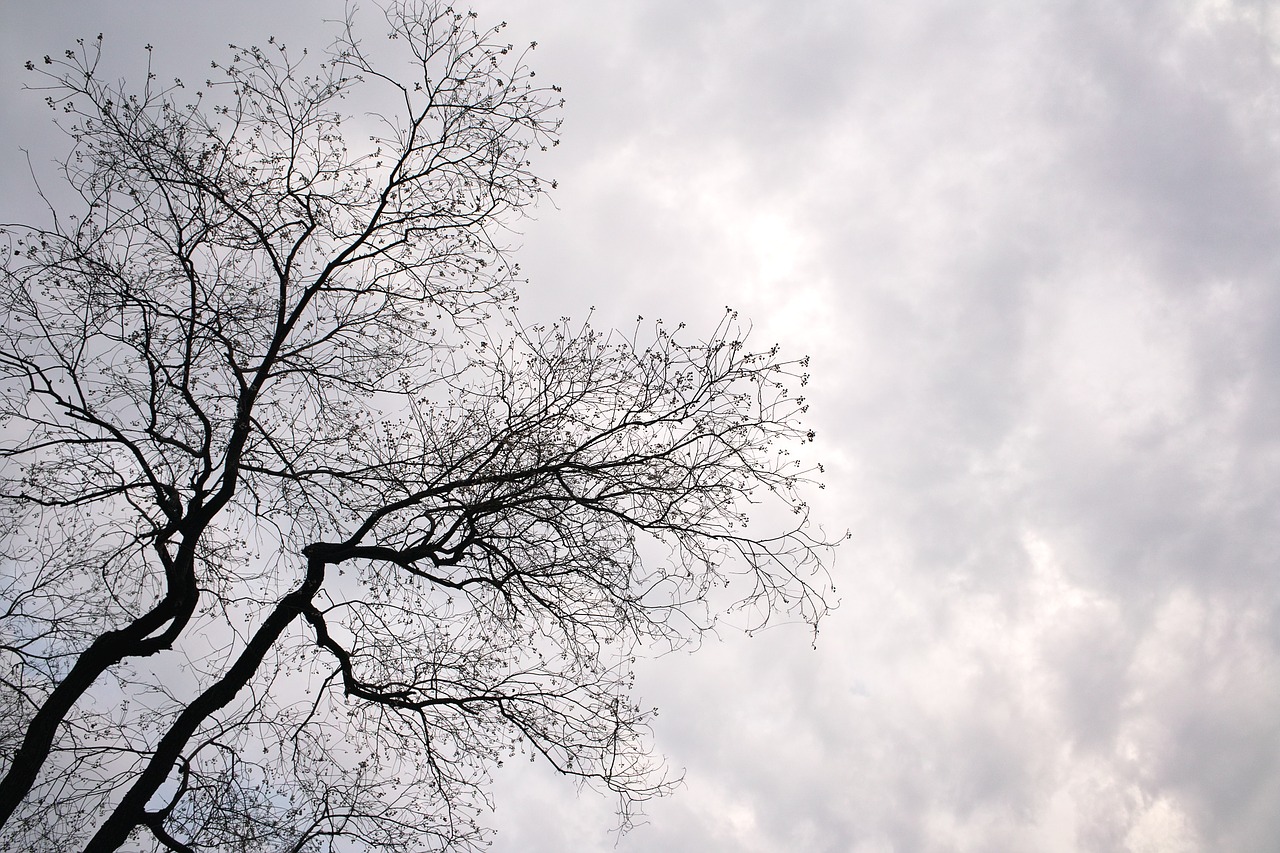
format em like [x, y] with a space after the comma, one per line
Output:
[304, 531]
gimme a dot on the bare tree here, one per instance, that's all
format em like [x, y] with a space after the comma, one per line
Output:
[303, 532]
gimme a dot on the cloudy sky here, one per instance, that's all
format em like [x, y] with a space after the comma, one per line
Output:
[1032, 249]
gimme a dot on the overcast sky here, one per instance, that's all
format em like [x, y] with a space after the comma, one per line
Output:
[1032, 249]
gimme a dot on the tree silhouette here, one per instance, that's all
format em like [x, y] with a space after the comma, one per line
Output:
[304, 532]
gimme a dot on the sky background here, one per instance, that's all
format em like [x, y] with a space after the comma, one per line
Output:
[1032, 250]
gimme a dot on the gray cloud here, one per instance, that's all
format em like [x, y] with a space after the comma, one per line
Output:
[1031, 250]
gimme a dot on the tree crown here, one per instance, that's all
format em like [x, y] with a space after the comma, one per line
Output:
[305, 530]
